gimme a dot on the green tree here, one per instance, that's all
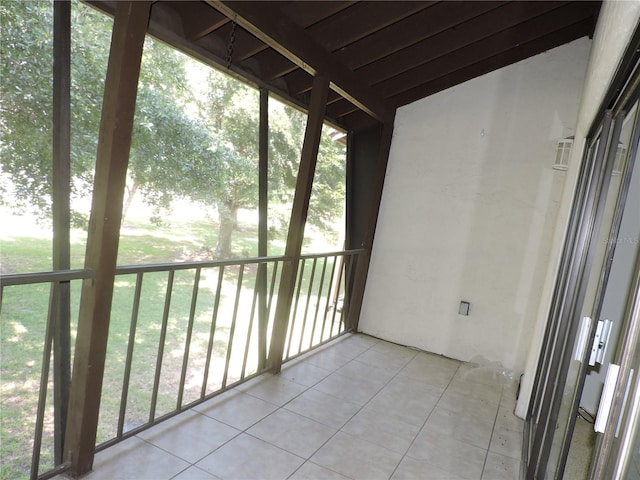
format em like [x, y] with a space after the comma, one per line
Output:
[203, 147]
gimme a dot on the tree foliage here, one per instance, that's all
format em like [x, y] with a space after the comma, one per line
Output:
[198, 142]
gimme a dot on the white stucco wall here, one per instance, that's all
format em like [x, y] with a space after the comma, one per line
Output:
[468, 210]
[616, 23]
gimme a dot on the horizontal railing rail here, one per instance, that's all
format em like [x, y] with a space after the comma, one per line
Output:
[182, 333]
[168, 267]
[55, 280]
[44, 277]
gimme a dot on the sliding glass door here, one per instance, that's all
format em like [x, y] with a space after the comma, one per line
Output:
[617, 450]
[580, 289]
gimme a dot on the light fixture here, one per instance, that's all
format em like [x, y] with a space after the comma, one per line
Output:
[621, 156]
[562, 154]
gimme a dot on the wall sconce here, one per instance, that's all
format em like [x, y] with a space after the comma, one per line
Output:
[621, 156]
[562, 154]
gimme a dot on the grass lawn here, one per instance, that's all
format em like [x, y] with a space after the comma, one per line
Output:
[27, 248]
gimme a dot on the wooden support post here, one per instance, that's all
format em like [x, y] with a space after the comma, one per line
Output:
[61, 213]
[362, 268]
[263, 206]
[299, 211]
[114, 141]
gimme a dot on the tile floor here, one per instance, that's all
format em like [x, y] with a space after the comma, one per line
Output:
[358, 408]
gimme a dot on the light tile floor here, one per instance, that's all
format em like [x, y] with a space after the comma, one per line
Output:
[358, 408]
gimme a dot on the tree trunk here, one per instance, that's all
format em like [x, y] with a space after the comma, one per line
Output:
[131, 191]
[228, 216]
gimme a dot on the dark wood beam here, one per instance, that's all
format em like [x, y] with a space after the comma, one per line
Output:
[540, 26]
[298, 220]
[198, 18]
[298, 82]
[290, 40]
[362, 268]
[308, 13]
[466, 33]
[357, 120]
[273, 65]
[427, 23]
[509, 57]
[263, 227]
[114, 141]
[245, 45]
[341, 108]
[61, 216]
[360, 20]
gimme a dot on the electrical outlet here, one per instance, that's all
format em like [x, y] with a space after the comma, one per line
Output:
[464, 308]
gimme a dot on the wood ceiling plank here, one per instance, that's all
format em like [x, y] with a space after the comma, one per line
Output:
[341, 107]
[333, 97]
[245, 45]
[361, 20]
[198, 18]
[411, 30]
[274, 65]
[540, 26]
[298, 82]
[290, 40]
[358, 120]
[516, 54]
[513, 13]
[308, 13]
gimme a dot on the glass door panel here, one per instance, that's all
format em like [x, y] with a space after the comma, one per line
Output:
[596, 285]
[542, 420]
[617, 454]
[580, 289]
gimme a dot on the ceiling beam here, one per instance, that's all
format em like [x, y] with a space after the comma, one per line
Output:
[362, 19]
[198, 19]
[501, 60]
[411, 30]
[554, 21]
[292, 41]
[341, 108]
[309, 13]
[463, 34]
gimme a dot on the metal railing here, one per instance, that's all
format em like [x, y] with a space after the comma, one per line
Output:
[55, 280]
[182, 333]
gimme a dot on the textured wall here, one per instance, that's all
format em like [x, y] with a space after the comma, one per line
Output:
[468, 211]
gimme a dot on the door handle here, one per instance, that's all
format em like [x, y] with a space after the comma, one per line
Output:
[600, 341]
[607, 398]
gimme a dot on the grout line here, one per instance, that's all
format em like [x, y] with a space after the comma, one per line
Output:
[427, 419]
[495, 421]
[359, 409]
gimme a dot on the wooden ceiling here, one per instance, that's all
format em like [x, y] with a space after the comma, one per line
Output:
[379, 55]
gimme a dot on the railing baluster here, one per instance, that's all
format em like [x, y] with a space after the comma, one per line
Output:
[251, 316]
[127, 366]
[329, 292]
[336, 298]
[273, 286]
[233, 326]
[306, 307]
[268, 312]
[212, 332]
[318, 301]
[44, 383]
[161, 342]
[345, 293]
[294, 314]
[337, 286]
[187, 342]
